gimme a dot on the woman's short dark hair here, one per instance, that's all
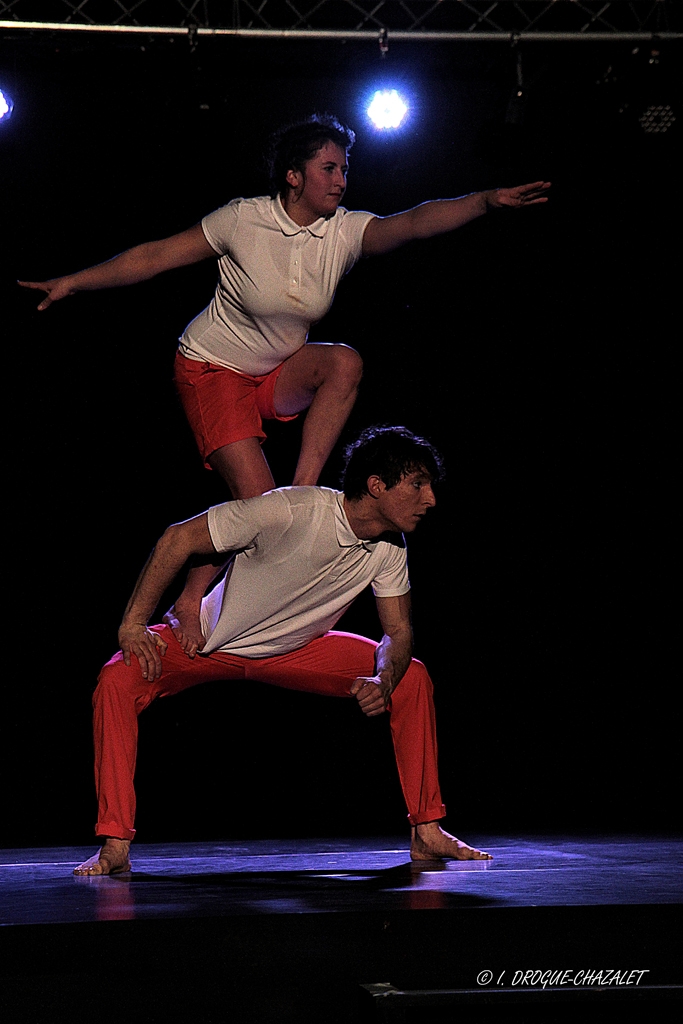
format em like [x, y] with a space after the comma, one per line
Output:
[389, 453]
[291, 146]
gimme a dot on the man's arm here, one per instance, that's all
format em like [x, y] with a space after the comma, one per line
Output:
[173, 549]
[129, 267]
[441, 215]
[392, 657]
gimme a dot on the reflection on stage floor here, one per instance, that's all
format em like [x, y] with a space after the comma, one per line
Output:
[191, 880]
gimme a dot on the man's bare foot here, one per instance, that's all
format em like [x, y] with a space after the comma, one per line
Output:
[429, 842]
[110, 860]
[186, 627]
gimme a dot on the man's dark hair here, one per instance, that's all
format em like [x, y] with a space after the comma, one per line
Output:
[389, 453]
[291, 146]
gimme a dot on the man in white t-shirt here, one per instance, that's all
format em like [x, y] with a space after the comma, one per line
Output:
[299, 557]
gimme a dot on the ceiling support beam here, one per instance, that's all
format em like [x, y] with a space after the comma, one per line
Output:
[362, 35]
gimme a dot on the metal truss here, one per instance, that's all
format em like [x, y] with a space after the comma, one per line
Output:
[401, 20]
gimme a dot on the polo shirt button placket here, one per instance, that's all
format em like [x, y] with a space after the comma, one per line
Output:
[295, 267]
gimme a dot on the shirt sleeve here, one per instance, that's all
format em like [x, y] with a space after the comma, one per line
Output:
[351, 234]
[219, 227]
[242, 524]
[392, 579]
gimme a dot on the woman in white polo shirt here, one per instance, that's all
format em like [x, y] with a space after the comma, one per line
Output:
[245, 358]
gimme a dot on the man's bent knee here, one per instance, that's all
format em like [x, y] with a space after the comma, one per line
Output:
[118, 682]
[419, 674]
[415, 686]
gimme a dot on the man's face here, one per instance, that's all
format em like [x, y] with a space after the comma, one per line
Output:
[404, 505]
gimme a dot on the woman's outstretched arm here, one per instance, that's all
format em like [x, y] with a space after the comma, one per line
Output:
[129, 267]
[441, 215]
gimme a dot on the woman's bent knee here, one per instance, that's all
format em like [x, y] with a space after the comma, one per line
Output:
[347, 363]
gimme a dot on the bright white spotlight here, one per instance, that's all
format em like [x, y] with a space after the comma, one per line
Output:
[387, 109]
[6, 106]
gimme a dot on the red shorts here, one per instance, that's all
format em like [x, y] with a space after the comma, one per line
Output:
[223, 406]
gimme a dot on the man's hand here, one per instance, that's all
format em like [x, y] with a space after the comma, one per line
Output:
[521, 195]
[372, 694]
[145, 645]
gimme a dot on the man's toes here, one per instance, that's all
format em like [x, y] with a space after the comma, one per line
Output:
[92, 866]
[440, 844]
[466, 852]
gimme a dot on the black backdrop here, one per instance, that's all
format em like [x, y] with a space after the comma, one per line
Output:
[533, 348]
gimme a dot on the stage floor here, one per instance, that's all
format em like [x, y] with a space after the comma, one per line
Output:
[334, 875]
[343, 931]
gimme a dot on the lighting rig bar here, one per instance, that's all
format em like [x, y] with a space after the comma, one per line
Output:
[401, 20]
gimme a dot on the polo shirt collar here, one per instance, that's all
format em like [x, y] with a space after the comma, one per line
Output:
[290, 227]
[346, 538]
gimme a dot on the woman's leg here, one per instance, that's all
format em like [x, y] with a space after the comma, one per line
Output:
[244, 468]
[225, 410]
[324, 379]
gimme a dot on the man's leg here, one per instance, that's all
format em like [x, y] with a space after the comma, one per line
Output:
[413, 728]
[121, 695]
[324, 379]
[329, 666]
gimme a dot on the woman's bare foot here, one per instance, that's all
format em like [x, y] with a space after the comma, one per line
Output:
[186, 627]
[110, 860]
[429, 842]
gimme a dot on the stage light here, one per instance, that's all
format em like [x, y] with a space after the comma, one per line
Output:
[6, 106]
[657, 119]
[387, 109]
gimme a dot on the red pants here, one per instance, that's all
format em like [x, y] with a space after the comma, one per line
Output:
[328, 665]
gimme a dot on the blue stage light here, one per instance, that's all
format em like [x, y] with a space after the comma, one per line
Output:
[6, 106]
[387, 109]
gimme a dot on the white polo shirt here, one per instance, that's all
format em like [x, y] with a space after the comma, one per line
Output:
[276, 278]
[299, 566]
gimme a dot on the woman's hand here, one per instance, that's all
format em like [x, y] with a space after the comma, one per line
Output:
[140, 263]
[57, 288]
[521, 195]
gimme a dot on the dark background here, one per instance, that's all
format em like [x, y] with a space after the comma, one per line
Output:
[534, 348]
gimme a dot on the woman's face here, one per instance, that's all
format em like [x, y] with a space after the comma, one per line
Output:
[317, 190]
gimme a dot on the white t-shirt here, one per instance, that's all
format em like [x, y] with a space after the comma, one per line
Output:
[299, 567]
[276, 278]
